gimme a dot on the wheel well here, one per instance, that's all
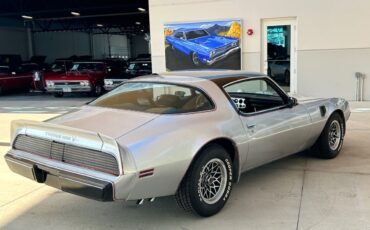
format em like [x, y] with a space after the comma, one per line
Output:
[231, 148]
[340, 112]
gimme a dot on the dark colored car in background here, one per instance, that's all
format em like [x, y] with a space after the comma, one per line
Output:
[139, 67]
[116, 73]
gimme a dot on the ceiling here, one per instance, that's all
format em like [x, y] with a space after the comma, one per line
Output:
[95, 16]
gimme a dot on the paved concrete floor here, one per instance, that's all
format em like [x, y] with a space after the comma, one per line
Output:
[298, 192]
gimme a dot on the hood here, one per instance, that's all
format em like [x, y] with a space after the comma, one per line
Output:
[110, 122]
[213, 42]
[66, 76]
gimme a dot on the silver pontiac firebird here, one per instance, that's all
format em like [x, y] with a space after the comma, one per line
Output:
[188, 134]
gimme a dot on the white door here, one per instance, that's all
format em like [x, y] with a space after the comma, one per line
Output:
[279, 59]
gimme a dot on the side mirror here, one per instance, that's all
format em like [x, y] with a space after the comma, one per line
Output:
[292, 102]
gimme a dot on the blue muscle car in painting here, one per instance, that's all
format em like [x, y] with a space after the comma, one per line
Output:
[200, 46]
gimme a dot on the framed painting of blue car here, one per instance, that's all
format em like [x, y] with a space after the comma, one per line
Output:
[203, 45]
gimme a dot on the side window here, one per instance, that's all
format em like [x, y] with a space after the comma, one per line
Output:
[252, 96]
[179, 35]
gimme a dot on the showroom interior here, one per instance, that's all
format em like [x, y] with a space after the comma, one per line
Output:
[65, 57]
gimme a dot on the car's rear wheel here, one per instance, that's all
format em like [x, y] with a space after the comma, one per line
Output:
[59, 94]
[330, 141]
[207, 184]
[195, 59]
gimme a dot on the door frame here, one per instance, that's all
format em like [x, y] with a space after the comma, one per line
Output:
[292, 21]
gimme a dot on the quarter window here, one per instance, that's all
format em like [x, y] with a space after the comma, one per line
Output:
[180, 35]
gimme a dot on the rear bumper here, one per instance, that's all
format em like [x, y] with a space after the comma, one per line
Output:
[66, 181]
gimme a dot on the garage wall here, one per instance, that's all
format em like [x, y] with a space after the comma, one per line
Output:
[333, 37]
[61, 44]
[139, 45]
[114, 45]
[14, 41]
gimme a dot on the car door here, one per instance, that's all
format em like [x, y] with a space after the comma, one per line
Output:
[274, 127]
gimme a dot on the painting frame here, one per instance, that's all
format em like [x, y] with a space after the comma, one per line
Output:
[216, 44]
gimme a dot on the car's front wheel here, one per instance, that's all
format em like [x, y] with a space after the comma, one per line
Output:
[195, 59]
[330, 141]
[207, 185]
[97, 90]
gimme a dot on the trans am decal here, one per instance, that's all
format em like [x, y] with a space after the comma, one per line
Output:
[203, 45]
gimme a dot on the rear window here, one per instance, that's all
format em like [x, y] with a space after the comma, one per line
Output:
[156, 98]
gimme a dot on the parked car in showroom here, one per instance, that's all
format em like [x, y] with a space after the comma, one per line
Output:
[82, 77]
[14, 81]
[139, 67]
[201, 47]
[188, 134]
[58, 67]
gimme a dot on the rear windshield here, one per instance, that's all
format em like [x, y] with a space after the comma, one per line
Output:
[4, 69]
[138, 66]
[87, 66]
[157, 98]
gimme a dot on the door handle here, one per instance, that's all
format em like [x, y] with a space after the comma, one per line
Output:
[251, 126]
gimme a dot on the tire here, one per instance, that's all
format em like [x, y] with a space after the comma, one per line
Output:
[193, 195]
[59, 94]
[195, 59]
[330, 142]
[97, 90]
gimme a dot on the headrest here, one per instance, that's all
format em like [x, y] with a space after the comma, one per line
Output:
[168, 100]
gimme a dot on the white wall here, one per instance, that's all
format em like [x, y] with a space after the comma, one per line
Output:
[333, 37]
[14, 41]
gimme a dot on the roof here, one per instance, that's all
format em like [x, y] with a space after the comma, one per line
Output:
[187, 29]
[220, 78]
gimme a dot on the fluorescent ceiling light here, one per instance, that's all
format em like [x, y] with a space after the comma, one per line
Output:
[99, 25]
[27, 17]
[137, 23]
[75, 13]
[141, 9]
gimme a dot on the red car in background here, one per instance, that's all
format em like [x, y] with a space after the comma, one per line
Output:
[82, 77]
[13, 81]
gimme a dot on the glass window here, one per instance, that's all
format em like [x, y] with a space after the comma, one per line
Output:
[4, 69]
[196, 34]
[180, 35]
[254, 95]
[252, 87]
[155, 98]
